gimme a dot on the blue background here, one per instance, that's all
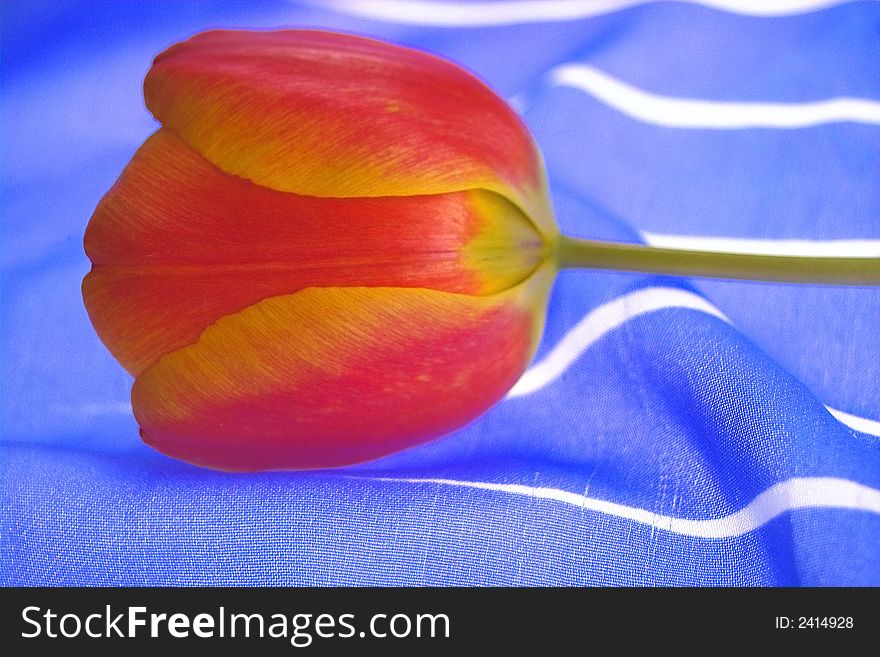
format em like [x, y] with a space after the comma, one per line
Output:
[674, 412]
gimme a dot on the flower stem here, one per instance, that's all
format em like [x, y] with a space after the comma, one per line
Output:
[579, 253]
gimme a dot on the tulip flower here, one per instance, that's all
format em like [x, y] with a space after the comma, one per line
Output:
[334, 248]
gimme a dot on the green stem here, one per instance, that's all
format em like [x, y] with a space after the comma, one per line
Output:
[577, 253]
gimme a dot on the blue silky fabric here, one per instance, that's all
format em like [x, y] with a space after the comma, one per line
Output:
[687, 443]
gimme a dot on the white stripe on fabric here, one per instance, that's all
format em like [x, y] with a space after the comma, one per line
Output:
[860, 248]
[862, 424]
[107, 408]
[788, 495]
[601, 321]
[438, 13]
[674, 112]
[605, 318]
[95, 409]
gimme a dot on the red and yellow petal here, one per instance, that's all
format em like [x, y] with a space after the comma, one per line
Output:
[334, 248]
[334, 115]
[333, 376]
[177, 244]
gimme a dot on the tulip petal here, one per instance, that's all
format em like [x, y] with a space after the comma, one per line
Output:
[176, 244]
[332, 376]
[334, 115]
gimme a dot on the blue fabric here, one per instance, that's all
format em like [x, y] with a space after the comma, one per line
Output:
[673, 415]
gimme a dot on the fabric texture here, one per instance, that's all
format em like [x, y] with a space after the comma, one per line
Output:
[670, 431]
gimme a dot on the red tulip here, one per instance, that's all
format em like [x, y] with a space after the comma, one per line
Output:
[334, 248]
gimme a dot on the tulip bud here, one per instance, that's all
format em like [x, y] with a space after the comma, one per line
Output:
[332, 249]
